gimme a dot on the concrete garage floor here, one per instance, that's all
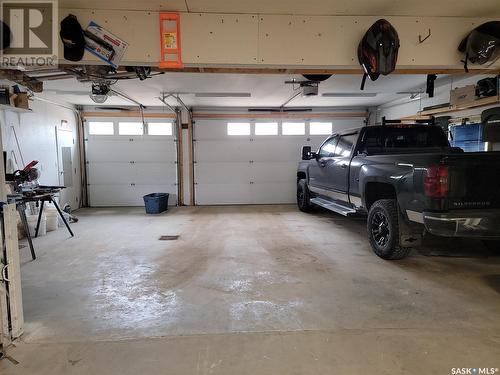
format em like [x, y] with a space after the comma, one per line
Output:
[250, 290]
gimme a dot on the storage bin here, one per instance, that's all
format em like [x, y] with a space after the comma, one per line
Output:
[32, 220]
[156, 203]
[52, 218]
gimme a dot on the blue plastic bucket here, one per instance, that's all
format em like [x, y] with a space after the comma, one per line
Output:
[156, 203]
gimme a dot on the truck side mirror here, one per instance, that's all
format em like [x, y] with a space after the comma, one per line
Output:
[306, 153]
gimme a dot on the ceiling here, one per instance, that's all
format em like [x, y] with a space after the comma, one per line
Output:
[444, 8]
[267, 90]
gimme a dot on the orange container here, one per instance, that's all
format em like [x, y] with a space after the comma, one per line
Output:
[170, 39]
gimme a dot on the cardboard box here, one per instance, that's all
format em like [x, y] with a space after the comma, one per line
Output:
[22, 100]
[4, 96]
[463, 95]
[12, 100]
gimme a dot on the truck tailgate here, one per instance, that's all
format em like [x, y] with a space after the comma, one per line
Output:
[474, 180]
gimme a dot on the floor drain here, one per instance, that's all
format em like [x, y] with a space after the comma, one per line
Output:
[168, 238]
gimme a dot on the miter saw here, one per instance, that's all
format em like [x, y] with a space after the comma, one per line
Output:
[25, 179]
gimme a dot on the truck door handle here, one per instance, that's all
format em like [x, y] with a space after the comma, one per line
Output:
[344, 166]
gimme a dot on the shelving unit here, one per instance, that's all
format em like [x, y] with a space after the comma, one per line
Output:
[426, 115]
[454, 108]
[14, 109]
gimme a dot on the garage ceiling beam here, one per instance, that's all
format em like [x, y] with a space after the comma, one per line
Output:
[265, 70]
[328, 44]
[307, 70]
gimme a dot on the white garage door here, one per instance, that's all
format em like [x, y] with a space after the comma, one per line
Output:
[252, 162]
[126, 160]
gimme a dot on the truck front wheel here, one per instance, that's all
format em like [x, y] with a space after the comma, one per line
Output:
[303, 196]
[383, 230]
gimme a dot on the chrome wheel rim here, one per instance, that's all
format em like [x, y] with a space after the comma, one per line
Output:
[380, 228]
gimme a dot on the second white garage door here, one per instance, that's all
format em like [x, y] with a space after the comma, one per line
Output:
[252, 162]
[126, 161]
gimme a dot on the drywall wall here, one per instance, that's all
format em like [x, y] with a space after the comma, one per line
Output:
[41, 136]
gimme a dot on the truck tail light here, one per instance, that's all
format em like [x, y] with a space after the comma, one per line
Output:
[436, 181]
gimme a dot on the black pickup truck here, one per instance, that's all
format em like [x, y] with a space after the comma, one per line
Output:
[408, 180]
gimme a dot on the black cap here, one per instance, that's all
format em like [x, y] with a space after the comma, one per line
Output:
[5, 36]
[72, 37]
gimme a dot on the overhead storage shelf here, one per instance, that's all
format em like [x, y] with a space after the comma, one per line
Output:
[454, 108]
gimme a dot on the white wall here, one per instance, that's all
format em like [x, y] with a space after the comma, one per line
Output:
[441, 95]
[36, 132]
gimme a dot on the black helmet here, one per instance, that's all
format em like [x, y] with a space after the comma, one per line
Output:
[378, 50]
[487, 87]
[482, 45]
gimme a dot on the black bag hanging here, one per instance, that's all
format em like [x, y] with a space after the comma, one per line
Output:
[430, 85]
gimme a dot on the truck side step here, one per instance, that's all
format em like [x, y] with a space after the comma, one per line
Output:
[333, 206]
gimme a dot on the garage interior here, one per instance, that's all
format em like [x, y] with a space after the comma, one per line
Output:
[233, 278]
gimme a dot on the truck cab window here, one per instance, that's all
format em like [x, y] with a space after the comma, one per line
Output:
[377, 140]
[328, 148]
[345, 144]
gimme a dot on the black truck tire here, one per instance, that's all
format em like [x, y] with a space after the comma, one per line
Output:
[383, 230]
[304, 197]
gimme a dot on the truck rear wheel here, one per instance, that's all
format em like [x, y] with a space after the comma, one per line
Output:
[303, 197]
[383, 230]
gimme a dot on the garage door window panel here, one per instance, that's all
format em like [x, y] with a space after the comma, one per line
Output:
[130, 128]
[238, 128]
[293, 128]
[266, 128]
[320, 128]
[159, 128]
[101, 128]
